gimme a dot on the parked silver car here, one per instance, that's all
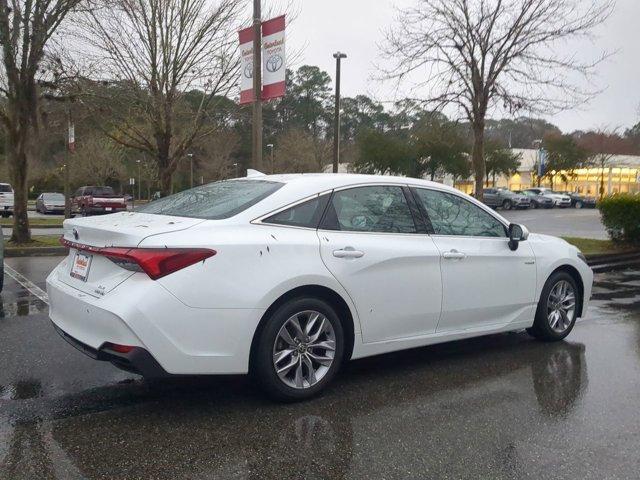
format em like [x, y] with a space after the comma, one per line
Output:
[505, 199]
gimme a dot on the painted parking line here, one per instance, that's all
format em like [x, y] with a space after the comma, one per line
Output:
[26, 283]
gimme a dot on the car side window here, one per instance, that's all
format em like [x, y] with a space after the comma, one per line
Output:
[382, 209]
[307, 214]
[78, 193]
[453, 215]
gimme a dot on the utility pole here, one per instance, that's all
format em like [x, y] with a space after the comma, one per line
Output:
[270, 146]
[336, 127]
[190, 155]
[257, 86]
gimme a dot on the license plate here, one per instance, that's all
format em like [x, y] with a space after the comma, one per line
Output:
[81, 265]
[108, 209]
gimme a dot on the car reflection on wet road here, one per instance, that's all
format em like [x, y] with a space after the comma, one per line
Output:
[502, 406]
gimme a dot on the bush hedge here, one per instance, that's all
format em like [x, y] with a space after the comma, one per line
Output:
[621, 217]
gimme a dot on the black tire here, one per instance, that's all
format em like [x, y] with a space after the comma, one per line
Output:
[507, 205]
[579, 204]
[83, 212]
[6, 215]
[541, 328]
[262, 367]
[534, 205]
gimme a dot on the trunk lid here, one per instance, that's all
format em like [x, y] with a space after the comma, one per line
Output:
[126, 229]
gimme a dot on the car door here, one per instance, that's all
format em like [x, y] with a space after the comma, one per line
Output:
[485, 283]
[388, 264]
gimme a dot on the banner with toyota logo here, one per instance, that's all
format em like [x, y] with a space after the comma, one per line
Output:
[273, 60]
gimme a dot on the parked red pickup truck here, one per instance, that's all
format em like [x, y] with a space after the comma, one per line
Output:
[97, 200]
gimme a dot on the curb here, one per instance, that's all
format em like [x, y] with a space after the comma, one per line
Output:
[35, 251]
[613, 262]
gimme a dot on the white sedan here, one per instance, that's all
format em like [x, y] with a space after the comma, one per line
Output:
[287, 277]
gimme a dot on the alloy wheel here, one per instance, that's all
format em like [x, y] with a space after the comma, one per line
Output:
[561, 306]
[304, 349]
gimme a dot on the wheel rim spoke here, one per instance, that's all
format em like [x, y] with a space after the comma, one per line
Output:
[326, 345]
[299, 379]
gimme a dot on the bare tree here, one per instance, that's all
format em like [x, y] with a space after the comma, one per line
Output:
[167, 61]
[97, 161]
[478, 55]
[26, 29]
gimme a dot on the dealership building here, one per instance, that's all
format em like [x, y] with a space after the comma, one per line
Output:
[621, 175]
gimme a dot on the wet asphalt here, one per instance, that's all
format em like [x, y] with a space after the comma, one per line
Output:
[497, 407]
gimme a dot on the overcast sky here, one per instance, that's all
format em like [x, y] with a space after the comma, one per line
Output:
[355, 26]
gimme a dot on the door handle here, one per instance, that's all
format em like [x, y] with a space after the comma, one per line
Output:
[348, 252]
[454, 255]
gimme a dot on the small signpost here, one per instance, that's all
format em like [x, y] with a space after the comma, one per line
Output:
[132, 183]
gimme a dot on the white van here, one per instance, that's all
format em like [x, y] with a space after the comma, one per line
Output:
[6, 200]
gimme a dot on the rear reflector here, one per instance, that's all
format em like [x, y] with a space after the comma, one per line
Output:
[155, 262]
[114, 347]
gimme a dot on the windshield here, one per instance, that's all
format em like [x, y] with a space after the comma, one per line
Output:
[53, 197]
[214, 201]
[5, 188]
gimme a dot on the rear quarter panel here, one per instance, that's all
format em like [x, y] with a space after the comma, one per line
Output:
[254, 266]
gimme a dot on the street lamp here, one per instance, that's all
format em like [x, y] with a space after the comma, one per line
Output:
[236, 165]
[270, 146]
[336, 130]
[190, 155]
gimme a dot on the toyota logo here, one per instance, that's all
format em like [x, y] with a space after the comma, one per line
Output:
[76, 235]
[248, 70]
[274, 63]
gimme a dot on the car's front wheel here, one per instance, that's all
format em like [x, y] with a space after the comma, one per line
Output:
[507, 205]
[299, 350]
[557, 308]
[578, 204]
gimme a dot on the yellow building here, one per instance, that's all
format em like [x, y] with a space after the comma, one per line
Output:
[621, 175]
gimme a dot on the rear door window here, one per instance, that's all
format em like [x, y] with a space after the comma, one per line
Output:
[214, 201]
[382, 209]
[4, 188]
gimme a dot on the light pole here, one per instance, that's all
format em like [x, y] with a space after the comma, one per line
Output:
[236, 165]
[336, 128]
[190, 155]
[270, 146]
[139, 178]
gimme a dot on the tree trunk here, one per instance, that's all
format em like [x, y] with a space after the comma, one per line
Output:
[18, 173]
[18, 136]
[477, 156]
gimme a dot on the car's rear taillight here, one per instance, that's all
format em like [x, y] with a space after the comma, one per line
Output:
[155, 262]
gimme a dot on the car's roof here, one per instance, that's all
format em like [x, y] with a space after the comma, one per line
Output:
[328, 181]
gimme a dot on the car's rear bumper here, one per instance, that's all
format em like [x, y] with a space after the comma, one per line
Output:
[143, 314]
[103, 210]
[137, 360]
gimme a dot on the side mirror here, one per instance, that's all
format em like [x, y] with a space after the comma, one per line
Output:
[517, 234]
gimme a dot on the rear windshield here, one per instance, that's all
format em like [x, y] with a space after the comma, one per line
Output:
[5, 188]
[95, 191]
[214, 201]
[54, 197]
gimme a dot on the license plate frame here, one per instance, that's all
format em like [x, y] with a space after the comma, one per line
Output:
[81, 266]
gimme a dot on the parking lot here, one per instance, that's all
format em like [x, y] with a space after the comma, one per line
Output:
[503, 406]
